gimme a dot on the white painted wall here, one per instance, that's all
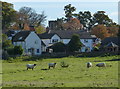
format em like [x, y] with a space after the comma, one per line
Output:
[49, 41]
[43, 48]
[55, 37]
[46, 41]
[88, 44]
[33, 41]
[65, 41]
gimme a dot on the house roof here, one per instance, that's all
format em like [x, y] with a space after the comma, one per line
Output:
[67, 34]
[10, 33]
[46, 35]
[20, 36]
[111, 44]
[115, 40]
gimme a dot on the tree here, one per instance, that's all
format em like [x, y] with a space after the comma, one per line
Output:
[29, 16]
[69, 11]
[4, 37]
[40, 29]
[18, 50]
[101, 18]
[113, 31]
[5, 42]
[85, 19]
[100, 31]
[74, 44]
[59, 47]
[8, 15]
[73, 24]
[60, 22]
[118, 32]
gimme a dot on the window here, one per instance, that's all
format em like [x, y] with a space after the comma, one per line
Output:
[54, 40]
[36, 42]
[38, 51]
[85, 40]
[20, 38]
[94, 40]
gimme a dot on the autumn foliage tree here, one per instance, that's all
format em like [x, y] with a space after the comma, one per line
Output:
[113, 31]
[100, 31]
[73, 24]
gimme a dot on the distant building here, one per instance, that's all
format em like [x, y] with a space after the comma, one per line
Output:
[111, 44]
[29, 41]
[52, 25]
[53, 36]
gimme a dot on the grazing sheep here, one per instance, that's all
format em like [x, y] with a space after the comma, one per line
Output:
[51, 65]
[30, 66]
[89, 64]
[101, 65]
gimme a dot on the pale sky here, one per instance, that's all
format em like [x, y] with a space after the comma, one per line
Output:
[55, 8]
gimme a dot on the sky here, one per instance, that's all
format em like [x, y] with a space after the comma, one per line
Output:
[55, 8]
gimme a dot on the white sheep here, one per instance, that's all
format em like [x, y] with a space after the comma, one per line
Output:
[51, 65]
[89, 64]
[101, 65]
[30, 66]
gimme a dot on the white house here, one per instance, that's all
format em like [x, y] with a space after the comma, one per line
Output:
[53, 36]
[29, 41]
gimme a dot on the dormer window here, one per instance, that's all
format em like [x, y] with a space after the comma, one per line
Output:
[86, 40]
[54, 40]
[20, 38]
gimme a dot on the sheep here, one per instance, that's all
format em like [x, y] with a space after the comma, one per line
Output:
[51, 65]
[101, 65]
[89, 64]
[30, 66]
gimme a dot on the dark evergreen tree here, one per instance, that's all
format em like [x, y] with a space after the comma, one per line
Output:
[74, 44]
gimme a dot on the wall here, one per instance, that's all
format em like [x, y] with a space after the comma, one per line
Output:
[88, 44]
[55, 37]
[65, 41]
[33, 41]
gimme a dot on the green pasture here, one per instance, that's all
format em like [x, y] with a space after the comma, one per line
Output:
[76, 75]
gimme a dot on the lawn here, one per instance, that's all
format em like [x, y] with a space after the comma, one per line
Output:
[76, 75]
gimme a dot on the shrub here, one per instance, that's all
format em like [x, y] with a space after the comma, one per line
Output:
[74, 44]
[10, 51]
[59, 47]
[18, 50]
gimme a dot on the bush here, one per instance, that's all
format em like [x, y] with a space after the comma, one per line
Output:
[59, 47]
[18, 50]
[10, 51]
[74, 44]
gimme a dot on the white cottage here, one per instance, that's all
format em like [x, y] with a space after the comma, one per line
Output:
[53, 36]
[29, 41]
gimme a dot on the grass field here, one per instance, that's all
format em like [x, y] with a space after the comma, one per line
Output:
[76, 75]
